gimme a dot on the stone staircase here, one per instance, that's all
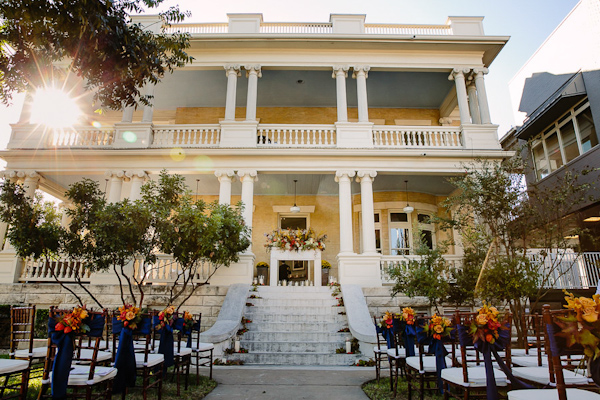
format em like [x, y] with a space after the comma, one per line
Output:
[294, 325]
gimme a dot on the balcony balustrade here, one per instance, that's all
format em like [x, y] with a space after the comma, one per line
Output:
[296, 136]
[417, 137]
[81, 137]
[186, 136]
[64, 269]
[165, 270]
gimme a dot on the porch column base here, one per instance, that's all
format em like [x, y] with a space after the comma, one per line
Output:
[239, 272]
[481, 137]
[359, 269]
[354, 135]
[133, 135]
[238, 133]
[10, 265]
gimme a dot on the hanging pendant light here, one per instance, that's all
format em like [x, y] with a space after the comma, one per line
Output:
[408, 209]
[295, 209]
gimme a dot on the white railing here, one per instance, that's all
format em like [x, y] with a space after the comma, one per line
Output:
[165, 270]
[569, 270]
[181, 135]
[65, 270]
[82, 137]
[296, 136]
[296, 27]
[417, 137]
[388, 262]
[198, 28]
[394, 29]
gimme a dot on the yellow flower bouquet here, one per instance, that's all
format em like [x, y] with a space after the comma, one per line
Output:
[581, 324]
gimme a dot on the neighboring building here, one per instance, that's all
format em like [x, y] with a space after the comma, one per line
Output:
[366, 117]
[558, 92]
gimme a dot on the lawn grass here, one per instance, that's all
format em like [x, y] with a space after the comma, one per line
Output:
[169, 391]
[381, 390]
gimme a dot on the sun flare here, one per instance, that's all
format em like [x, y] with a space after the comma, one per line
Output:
[54, 108]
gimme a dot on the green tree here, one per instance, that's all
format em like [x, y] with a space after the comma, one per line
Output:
[43, 40]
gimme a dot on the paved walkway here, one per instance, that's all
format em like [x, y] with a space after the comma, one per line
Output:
[290, 383]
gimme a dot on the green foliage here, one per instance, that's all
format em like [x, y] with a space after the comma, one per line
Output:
[97, 41]
[424, 275]
[41, 323]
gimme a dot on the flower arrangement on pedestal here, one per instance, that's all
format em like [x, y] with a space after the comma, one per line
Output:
[295, 240]
[73, 321]
[486, 325]
[130, 315]
[582, 325]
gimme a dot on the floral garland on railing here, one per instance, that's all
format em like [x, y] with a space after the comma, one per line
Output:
[295, 240]
[73, 321]
[486, 325]
[582, 325]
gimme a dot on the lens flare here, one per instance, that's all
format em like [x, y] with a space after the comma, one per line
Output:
[177, 154]
[129, 137]
[54, 108]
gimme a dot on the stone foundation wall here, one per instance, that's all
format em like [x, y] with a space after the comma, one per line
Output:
[379, 300]
[207, 299]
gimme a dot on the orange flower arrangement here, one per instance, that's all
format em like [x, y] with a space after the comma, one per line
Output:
[582, 325]
[130, 315]
[387, 320]
[73, 321]
[165, 317]
[188, 321]
[408, 315]
[486, 324]
[438, 327]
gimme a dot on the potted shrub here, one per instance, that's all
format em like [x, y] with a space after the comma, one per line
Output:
[262, 268]
[325, 267]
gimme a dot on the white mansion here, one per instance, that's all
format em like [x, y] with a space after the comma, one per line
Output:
[367, 118]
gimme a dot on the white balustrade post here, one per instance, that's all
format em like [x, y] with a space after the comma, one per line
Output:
[361, 73]
[115, 185]
[473, 104]
[149, 108]
[225, 178]
[253, 72]
[137, 181]
[248, 177]
[340, 73]
[367, 208]
[344, 179]
[458, 76]
[484, 107]
[232, 72]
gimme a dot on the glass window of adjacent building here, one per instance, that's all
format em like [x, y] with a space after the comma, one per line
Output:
[566, 139]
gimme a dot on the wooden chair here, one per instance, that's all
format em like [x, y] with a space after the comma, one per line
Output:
[380, 350]
[86, 379]
[469, 380]
[533, 338]
[22, 331]
[183, 360]
[202, 353]
[146, 361]
[397, 360]
[565, 385]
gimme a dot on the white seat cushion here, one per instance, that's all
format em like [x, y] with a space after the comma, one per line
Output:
[522, 352]
[381, 349]
[476, 376]
[183, 352]
[79, 375]
[203, 347]
[428, 363]
[529, 361]
[551, 394]
[401, 353]
[86, 354]
[10, 366]
[38, 352]
[541, 375]
[153, 359]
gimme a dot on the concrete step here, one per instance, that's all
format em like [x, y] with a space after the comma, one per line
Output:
[295, 358]
[300, 336]
[293, 289]
[298, 302]
[322, 327]
[292, 295]
[291, 347]
[296, 318]
[292, 310]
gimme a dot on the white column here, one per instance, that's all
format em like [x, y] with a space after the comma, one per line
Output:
[473, 105]
[225, 178]
[366, 200]
[458, 76]
[484, 107]
[115, 185]
[138, 178]
[253, 72]
[31, 180]
[361, 74]
[340, 73]
[232, 72]
[149, 109]
[25, 117]
[127, 114]
[344, 179]
[13, 177]
[248, 177]
[65, 220]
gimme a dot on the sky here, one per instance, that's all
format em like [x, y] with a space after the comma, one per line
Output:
[527, 22]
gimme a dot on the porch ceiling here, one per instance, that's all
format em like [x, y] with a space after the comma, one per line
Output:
[283, 184]
[303, 88]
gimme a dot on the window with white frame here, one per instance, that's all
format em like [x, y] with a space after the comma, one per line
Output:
[568, 137]
[427, 229]
[377, 218]
[400, 233]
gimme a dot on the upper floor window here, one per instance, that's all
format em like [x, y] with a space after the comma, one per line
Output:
[568, 137]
